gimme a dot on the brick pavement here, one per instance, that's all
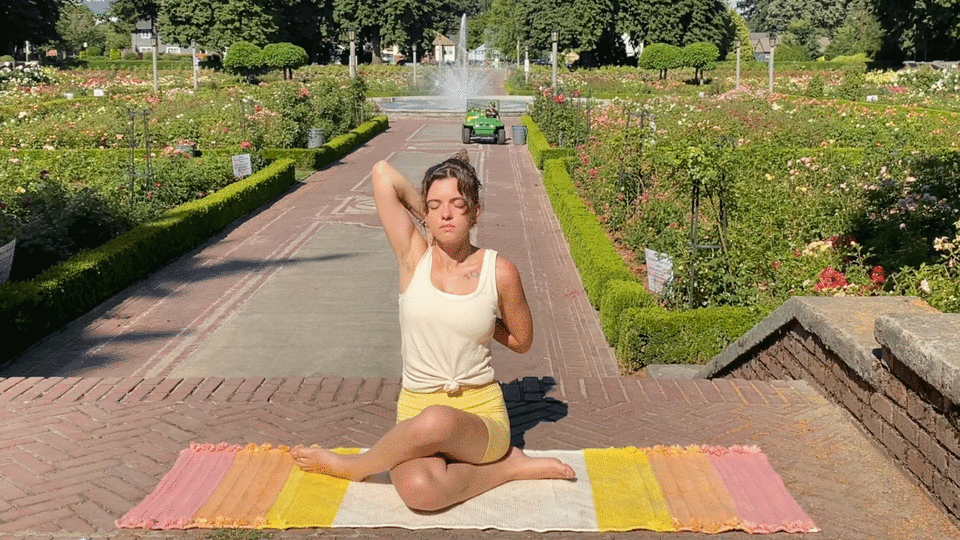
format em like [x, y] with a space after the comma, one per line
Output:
[91, 420]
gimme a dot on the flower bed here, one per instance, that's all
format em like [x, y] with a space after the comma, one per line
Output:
[818, 196]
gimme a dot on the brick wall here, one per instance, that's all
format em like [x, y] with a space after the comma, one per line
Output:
[912, 420]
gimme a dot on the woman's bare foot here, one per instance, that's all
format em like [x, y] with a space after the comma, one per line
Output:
[321, 460]
[534, 468]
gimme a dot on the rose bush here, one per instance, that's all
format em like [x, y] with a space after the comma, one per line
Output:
[797, 196]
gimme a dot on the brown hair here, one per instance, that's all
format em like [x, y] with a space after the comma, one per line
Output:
[468, 183]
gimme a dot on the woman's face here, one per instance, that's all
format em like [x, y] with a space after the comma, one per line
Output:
[449, 217]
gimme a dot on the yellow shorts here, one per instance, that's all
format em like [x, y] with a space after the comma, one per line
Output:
[485, 401]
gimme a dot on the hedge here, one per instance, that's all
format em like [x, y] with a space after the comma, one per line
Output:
[654, 335]
[592, 251]
[339, 146]
[30, 310]
[540, 149]
[619, 296]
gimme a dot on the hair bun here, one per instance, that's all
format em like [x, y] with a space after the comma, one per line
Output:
[463, 156]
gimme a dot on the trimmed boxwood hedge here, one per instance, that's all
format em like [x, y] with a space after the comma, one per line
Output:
[540, 149]
[653, 335]
[592, 251]
[339, 146]
[619, 296]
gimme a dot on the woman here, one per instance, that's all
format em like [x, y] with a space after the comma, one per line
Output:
[452, 437]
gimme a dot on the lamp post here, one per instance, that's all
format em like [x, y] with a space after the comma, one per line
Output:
[352, 33]
[414, 66]
[739, 45]
[526, 64]
[554, 36]
[773, 47]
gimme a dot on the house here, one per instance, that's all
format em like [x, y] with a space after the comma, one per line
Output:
[760, 43]
[444, 50]
[478, 55]
[141, 41]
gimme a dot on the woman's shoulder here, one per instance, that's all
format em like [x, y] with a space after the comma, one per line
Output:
[507, 272]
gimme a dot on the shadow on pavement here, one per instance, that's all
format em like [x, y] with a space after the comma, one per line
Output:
[528, 405]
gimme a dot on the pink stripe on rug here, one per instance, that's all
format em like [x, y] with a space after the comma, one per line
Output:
[183, 490]
[762, 500]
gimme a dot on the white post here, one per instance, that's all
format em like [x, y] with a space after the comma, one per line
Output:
[770, 69]
[353, 54]
[156, 52]
[414, 66]
[26, 53]
[738, 65]
[773, 40]
[554, 79]
[196, 65]
[526, 64]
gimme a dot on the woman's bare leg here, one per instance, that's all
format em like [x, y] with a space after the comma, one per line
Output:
[433, 483]
[438, 429]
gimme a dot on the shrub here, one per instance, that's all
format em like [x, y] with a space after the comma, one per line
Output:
[115, 54]
[563, 122]
[6, 58]
[661, 57]
[790, 53]
[853, 83]
[243, 58]
[815, 87]
[700, 56]
[284, 56]
[130, 55]
[95, 50]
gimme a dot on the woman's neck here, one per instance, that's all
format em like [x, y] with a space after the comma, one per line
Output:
[451, 255]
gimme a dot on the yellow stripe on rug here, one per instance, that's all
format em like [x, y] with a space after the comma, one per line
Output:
[626, 495]
[308, 499]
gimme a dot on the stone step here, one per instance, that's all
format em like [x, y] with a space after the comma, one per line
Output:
[385, 390]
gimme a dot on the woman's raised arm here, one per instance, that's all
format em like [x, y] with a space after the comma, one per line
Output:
[396, 200]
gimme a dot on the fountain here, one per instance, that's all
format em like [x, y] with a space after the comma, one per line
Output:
[453, 85]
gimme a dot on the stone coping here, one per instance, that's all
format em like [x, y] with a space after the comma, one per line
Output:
[844, 325]
[928, 344]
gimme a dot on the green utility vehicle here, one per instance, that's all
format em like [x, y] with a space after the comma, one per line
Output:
[483, 120]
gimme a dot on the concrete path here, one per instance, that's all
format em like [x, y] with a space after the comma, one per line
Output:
[283, 330]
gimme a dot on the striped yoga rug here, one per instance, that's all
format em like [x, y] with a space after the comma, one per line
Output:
[694, 488]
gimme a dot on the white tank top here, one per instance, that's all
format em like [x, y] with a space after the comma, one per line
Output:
[445, 338]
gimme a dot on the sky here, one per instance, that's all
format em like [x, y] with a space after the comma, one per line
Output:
[97, 6]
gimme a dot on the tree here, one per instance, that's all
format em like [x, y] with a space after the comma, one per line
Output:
[188, 22]
[700, 56]
[776, 15]
[861, 33]
[241, 20]
[580, 23]
[284, 56]
[78, 29]
[802, 34]
[21, 21]
[677, 22]
[661, 57]
[919, 28]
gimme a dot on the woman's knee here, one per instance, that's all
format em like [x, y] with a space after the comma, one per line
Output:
[418, 488]
[434, 425]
